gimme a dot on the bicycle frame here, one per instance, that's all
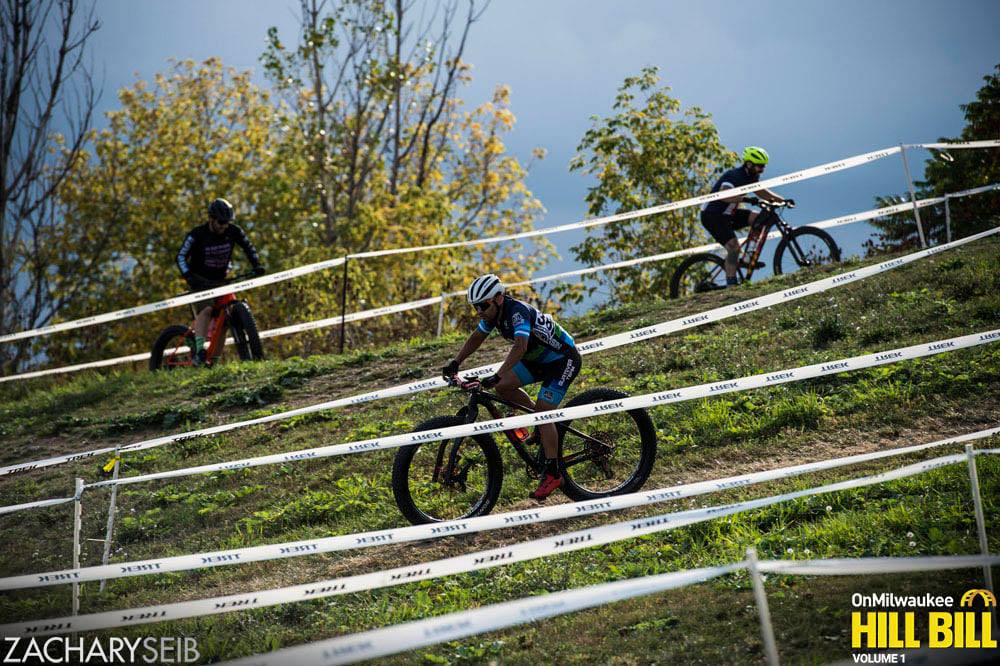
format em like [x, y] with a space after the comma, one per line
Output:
[217, 326]
[216, 331]
[759, 232]
[470, 412]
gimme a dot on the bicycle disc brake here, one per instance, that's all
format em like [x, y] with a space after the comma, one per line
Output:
[449, 478]
[601, 453]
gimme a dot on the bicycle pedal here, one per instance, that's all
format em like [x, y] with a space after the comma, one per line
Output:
[757, 266]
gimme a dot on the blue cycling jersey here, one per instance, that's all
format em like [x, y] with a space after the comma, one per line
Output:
[547, 340]
[733, 178]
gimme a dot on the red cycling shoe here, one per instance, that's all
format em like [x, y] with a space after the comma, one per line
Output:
[549, 484]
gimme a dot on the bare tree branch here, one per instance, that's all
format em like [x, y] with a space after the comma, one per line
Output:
[45, 88]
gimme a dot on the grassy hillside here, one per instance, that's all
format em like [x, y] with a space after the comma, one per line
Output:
[951, 294]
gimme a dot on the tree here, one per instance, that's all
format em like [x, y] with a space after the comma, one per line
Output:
[306, 187]
[954, 171]
[44, 86]
[394, 158]
[649, 152]
[198, 132]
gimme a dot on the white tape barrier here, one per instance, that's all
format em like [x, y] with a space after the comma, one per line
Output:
[285, 330]
[875, 565]
[957, 145]
[422, 633]
[476, 561]
[582, 411]
[600, 344]
[175, 301]
[426, 302]
[462, 624]
[463, 526]
[35, 505]
[805, 174]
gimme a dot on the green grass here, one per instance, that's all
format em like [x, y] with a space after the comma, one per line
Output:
[950, 294]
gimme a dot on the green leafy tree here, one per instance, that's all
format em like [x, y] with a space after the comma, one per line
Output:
[395, 159]
[198, 132]
[954, 171]
[650, 151]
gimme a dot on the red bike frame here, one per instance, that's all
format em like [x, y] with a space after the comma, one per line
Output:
[215, 340]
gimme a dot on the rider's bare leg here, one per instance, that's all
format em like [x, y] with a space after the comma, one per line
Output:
[201, 322]
[509, 388]
[733, 252]
[732, 258]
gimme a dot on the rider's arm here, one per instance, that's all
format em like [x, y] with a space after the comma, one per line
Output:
[768, 195]
[472, 344]
[184, 254]
[248, 248]
[514, 356]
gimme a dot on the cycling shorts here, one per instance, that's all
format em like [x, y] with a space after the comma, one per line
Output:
[722, 226]
[198, 306]
[556, 376]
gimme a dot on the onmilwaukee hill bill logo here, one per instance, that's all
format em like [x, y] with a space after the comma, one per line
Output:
[970, 627]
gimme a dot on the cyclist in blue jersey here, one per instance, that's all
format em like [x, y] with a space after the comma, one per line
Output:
[722, 217]
[542, 352]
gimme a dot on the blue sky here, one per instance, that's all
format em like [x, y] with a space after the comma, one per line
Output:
[811, 81]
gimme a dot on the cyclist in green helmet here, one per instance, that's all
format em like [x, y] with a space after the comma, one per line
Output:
[724, 216]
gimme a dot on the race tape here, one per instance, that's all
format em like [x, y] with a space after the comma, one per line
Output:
[455, 527]
[608, 342]
[462, 624]
[175, 301]
[476, 561]
[453, 626]
[36, 505]
[805, 174]
[657, 399]
[958, 145]
[812, 172]
[875, 565]
[422, 303]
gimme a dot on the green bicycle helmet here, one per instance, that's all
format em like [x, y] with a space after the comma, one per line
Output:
[755, 155]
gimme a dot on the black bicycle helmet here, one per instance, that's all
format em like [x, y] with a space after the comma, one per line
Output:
[221, 210]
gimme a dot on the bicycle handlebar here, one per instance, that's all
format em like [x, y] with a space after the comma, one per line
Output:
[467, 384]
[761, 203]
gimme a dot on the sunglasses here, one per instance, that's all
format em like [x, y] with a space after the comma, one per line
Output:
[483, 306]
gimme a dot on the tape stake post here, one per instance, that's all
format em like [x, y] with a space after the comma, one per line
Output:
[913, 196]
[343, 304]
[106, 556]
[977, 503]
[441, 315]
[766, 629]
[77, 524]
[947, 217]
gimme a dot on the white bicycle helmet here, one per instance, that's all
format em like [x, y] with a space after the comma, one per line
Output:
[484, 288]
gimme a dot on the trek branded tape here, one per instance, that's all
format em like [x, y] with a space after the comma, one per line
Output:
[422, 303]
[805, 174]
[462, 624]
[582, 411]
[476, 561]
[609, 342]
[454, 527]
